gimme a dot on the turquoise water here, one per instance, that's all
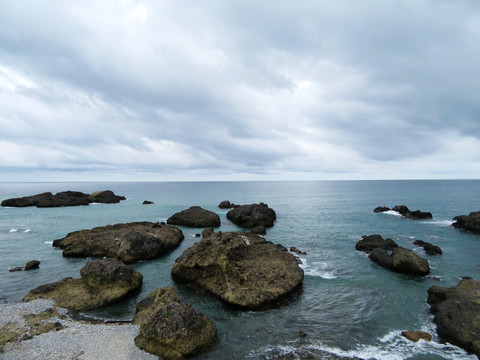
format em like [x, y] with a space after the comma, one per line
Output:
[348, 306]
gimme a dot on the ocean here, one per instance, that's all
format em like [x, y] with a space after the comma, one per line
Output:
[348, 306]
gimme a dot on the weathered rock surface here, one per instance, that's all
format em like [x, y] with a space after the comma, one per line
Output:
[171, 329]
[102, 283]
[195, 217]
[389, 255]
[31, 265]
[252, 215]
[65, 198]
[415, 336]
[469, 222]
[226, 204]
[457, 313]
[242, 269]
[429, 248]
[415, 215]
[128, 242]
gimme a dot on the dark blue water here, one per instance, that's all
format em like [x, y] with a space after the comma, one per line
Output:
[348, 306]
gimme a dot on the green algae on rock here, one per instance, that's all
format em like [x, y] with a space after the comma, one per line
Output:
[171, 329]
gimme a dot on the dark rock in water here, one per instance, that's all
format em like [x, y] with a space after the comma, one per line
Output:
[370, 242]
[195, 217]
[18, 268]
[259, 230]
[129, 242]
[302, 333]
[401, 260]
[252, 215]
[171, 329]
[415, 215]
[380, 209]
[242, 269]
[281, 247]
[65, 198]
[225, 204]
[457, 313]
[102, 283]
[415, 336]
[32, 264]
[469, 222]
[198, 235]
[147, 202]
[295, 250]
[429, 248]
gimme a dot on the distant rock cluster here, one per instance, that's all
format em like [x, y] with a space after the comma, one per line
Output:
[406, 212]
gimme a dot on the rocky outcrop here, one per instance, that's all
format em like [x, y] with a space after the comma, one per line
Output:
[457, 313]
[128, 242]
[148, 202]
[31, 265]
[225, 204]
[252, 215]
[242, 269]
[171, 329]
[406, 212]
[380, 209]
[102, 283]
[65, 198]
[429, 248]
[415, 336]
[469, 222]
[196, 217]
[389, 255]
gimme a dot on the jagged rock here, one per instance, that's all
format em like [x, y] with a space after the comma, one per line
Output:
[242, 269]
[32, 264]
[469, 222]
[380, 209]
[147, 202]
[195, 217]
[370, 242]
[457, 313]
[429, 248]
[171, 329]
[252, 215]
[225, 204]
[65, 198]
[102, 283]
[415, 336]
[128, 242]
[415, 215]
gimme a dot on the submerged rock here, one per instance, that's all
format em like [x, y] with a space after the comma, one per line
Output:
[195, 217]
[102, 283]
[128, 242]
[429, 248]
[469, 222]
[457, 313]
[65, 198]
[252, 215]
[171, 329]
[242, 269]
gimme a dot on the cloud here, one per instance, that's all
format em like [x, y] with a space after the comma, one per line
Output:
[226, 90]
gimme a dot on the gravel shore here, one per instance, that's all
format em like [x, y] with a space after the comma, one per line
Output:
[77, 340]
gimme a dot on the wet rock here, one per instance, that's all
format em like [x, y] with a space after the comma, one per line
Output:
[252, 215]
[171, 329]
[469, 222]
[415, 215]
[429, 248]
[242, 269]
[259, 230]
[102, 283]
[297, 251]
[401, 260]
[457, 313]
[225, 204]
[302, 333]
[65, 198]
[195, 217]
[128, 242]
[147, 202]
[415, 336]
[380, 209]
[370, 242]
[32, 264]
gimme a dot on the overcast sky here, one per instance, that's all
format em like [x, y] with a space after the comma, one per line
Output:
[239, 90]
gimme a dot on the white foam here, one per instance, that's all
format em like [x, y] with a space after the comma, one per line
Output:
[48, 242]
[13, 230]
[322, 270]
[440, 222]
[392, 212]
[26, 230]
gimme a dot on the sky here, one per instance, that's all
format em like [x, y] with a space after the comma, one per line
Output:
[239, 90]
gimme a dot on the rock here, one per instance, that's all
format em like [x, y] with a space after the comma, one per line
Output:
[401, 260]
[457, 313]
[417, 335]
[129, 242]
[242, 269]
[302, 333]
[429, 248]
[225, 204]
[469, 222]
[171, 329]
[252, 215]
[102, 283]
[415, 215]
[18, 268]
[370, 242]
[195, 217]
[380, 209]
[147, 202]
[297, 251]
[259, 230]
[32, 264]
[65, 198]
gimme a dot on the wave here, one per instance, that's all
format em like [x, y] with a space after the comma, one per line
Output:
[392, 212]
[322, 270]
[440, 222]
[13, 230]
[26, 230]
[48, 242]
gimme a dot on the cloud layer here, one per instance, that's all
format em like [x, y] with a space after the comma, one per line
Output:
[215, 90]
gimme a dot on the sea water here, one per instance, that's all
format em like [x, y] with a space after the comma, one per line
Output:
[348, 306]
